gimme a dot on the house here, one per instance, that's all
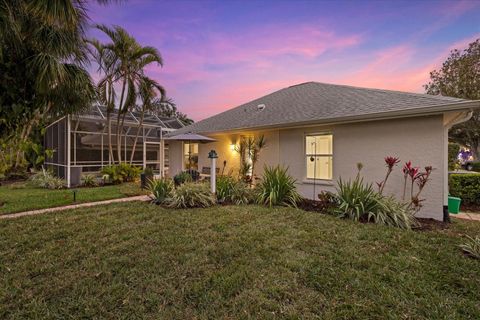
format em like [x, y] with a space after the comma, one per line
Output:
[337, 126]
[86, 136]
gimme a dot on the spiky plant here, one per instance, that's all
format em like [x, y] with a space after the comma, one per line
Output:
[277, 187]
[161, 190]
[472, 247]
[192, 195]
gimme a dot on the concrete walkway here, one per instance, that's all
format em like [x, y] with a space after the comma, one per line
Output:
[467, 216]
[73, 206]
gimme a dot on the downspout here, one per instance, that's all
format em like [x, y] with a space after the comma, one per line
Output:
[461, 117]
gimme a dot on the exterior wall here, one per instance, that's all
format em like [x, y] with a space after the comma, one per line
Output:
[420, 140]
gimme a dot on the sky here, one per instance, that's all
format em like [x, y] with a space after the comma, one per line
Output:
[220, 54]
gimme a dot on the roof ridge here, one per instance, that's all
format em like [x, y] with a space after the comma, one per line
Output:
[381, 90]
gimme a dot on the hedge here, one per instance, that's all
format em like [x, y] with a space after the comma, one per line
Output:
[465, 186]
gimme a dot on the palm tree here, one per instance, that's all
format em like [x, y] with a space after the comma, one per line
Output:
[43, 56]
[128, 60]
[148, 90]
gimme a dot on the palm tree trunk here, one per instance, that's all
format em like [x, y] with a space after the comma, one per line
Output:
[136, 136]
[120, 110]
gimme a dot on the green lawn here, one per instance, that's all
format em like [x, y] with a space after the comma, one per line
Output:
[135, 260]
[21, 197]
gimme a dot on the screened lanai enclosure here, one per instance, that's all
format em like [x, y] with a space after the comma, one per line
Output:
[81, 143]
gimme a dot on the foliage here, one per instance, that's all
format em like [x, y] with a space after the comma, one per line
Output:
[168, 108]
[89, 180]
[182, 177]
[46, 180]
[148, 172]
[249, 149]
[42, 63]
[358, 201]
[192, 195]
[453, 150]
[466, 187]
[121, 64]
[476, 166]
[230, 190]
[472, 247]
[161, 190]
[458, 77]
[277, 187]
[123, 172]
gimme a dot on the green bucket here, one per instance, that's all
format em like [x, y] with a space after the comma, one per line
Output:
[454, 204]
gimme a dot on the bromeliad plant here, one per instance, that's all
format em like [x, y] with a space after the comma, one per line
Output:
[411, 174]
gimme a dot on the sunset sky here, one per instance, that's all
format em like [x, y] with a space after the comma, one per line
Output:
[219, 54]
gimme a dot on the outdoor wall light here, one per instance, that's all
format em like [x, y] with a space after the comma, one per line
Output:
[232, 147]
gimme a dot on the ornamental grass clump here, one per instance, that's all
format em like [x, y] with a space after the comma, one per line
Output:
[161, 190]
[191, 195]
[46, 180]
[231, 190]
[277, 187]
[359, 201]
[472, 247]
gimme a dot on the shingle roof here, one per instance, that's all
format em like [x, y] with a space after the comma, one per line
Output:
[317, 102]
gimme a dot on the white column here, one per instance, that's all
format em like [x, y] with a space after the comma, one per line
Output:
[69, 129]
[213, 173]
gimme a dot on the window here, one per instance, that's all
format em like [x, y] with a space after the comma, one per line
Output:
[319, 156]
[190, 156]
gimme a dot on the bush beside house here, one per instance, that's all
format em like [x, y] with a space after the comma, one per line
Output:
[466, 187]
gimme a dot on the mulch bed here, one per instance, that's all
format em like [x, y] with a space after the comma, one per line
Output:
[424, 223]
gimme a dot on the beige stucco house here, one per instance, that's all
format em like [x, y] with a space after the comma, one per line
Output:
[337, 126]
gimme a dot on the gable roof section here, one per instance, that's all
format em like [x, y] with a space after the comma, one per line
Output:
[314, 102]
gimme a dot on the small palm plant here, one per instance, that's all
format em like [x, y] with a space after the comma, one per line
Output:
[277, 187]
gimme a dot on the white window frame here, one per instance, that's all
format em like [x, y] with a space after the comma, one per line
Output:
[307, 156]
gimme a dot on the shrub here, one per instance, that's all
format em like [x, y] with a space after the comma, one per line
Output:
[472, 247]
[89, 180]
[122, 172]
[161, 190]
[191, 195]
[277, 188]
[453, 150]
[230, 190]
[182, 177]
[45, 179]
[466, 187]
[476, 166]
[360, 202]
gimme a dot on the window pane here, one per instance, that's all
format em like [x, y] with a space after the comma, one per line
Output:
[319, 167]
[321, 144]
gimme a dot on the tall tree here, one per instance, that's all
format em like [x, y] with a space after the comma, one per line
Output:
[459, 77]
[148, 90]
[168, 108]
[128, 60]
[42, 59]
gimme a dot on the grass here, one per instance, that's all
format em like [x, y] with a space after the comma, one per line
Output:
[135, 260]
[21, 197]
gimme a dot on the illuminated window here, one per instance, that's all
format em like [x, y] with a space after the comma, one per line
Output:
[319, 156]
[190, 156]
